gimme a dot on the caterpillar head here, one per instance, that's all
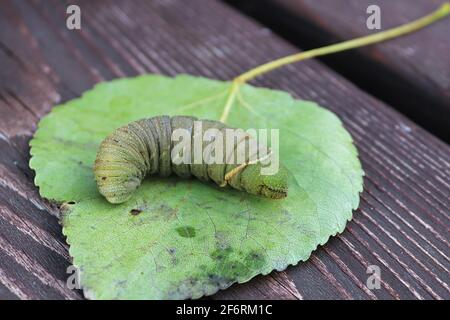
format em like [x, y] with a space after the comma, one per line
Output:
[271, 186]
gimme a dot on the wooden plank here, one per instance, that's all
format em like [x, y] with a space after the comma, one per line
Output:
[401, 226]
[411, 74]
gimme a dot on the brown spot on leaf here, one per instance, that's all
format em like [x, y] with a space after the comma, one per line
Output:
[135, 212]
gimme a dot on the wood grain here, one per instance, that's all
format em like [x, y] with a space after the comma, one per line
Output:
[401, 226]
[412, 73]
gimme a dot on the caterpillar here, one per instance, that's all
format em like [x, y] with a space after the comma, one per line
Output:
[145, 147]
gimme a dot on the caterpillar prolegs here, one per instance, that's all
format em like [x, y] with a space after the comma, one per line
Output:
[145, 147]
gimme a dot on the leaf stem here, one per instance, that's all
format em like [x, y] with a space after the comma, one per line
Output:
[230, 100]
[440, 13]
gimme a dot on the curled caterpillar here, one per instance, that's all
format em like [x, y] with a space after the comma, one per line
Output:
[145, 147]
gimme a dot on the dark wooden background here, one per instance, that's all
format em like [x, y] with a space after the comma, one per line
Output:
[403, 221]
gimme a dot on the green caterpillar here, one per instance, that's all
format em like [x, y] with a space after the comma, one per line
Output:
[144, 147]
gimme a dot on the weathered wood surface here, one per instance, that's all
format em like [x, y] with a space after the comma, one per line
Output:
[411, 74]
[402, 223]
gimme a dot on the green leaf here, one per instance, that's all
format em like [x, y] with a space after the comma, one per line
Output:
[184, 238]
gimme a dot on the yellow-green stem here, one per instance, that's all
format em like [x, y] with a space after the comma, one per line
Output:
[230, 100]
[440, 13]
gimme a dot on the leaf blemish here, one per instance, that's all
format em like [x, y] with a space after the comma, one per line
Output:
[135, 212]
[186, 231]
[232, 266]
